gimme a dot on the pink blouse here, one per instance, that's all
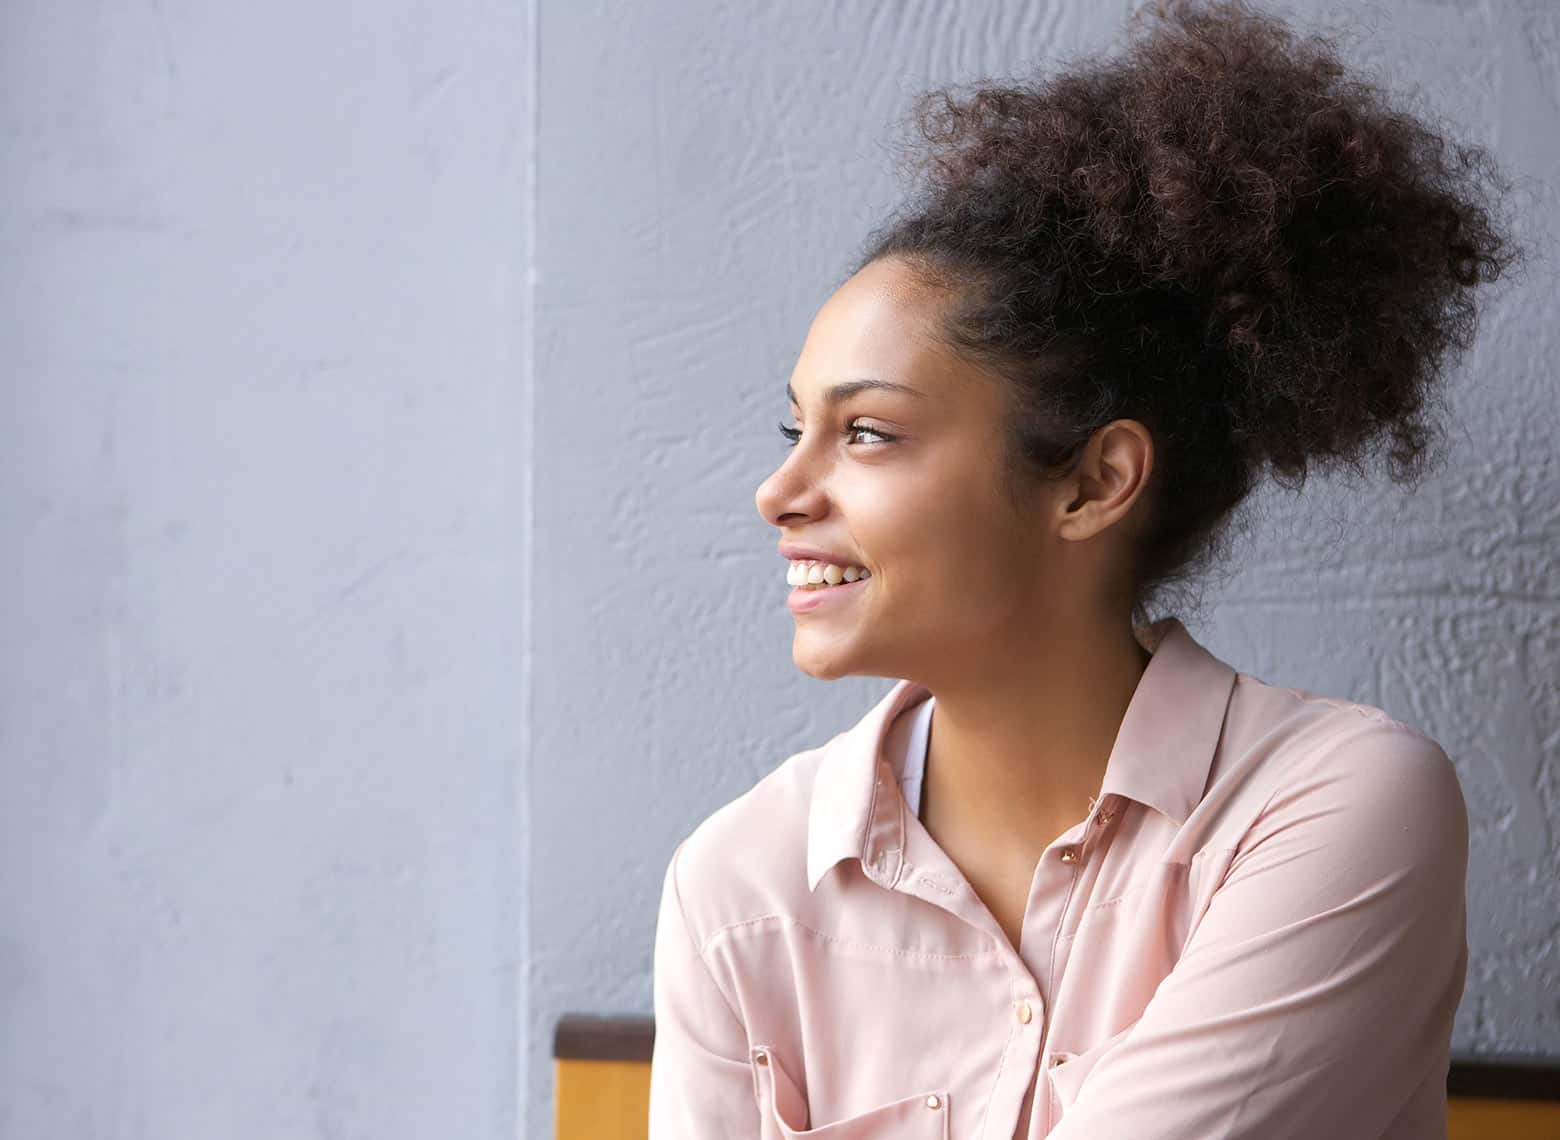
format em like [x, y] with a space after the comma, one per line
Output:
[1258, 931]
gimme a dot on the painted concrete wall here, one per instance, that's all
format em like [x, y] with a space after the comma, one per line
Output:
[385, 391]
[264, 338]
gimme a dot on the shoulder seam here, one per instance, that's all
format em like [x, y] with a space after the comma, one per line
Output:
[1367, 712]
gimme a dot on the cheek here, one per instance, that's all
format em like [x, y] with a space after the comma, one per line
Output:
[941, 536]
[964, 559]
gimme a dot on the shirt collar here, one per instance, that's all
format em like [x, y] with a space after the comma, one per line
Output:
[1161, 757]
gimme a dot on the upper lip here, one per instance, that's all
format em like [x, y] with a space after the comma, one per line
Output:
[795, 552]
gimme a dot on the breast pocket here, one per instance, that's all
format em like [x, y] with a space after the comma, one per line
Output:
[784, 1113]
[1066, 1071]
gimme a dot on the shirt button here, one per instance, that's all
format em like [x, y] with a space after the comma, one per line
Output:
[934, 1101]
[1024, 1012]
[761, 1057]
[1069, 854]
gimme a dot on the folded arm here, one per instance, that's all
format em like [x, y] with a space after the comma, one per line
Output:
[1318, 990]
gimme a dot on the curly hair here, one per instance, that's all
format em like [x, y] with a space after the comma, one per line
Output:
[1222, 234]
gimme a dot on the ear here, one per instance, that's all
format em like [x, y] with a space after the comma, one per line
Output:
[1110, 476]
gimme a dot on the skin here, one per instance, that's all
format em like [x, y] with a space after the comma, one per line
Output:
[1013, 614]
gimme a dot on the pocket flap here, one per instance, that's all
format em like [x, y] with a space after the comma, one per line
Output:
[920, 1116]
[777, 1093]
[1067, 1076]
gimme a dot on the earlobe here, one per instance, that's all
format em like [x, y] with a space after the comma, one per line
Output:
[1080, 517]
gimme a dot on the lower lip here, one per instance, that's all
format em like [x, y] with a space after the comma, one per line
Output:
[801, 600]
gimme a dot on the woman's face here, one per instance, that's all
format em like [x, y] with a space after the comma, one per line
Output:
[905, 482]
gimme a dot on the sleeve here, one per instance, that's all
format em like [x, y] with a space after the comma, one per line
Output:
[701, 1084]
[1318, 991]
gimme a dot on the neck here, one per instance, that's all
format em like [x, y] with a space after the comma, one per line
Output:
[1020, 743]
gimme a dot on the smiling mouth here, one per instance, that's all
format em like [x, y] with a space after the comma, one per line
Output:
[814, 575]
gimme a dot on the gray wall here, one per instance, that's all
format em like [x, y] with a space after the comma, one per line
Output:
[335, 771]
[264, 338]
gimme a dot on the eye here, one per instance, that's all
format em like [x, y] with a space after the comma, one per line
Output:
[851, 429]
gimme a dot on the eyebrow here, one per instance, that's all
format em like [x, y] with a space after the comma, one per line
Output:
[847, 388]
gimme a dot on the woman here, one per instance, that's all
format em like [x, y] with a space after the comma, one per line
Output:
[1075, 876]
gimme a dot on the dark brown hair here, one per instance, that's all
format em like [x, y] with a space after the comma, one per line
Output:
[1223, 234]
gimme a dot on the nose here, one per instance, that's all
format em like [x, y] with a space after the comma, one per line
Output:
[788, 496]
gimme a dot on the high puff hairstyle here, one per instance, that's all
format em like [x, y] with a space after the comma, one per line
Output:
[1222, 234]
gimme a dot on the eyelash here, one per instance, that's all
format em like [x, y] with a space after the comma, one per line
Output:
[794, 434]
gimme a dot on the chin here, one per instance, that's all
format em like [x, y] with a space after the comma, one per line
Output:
[822, 666]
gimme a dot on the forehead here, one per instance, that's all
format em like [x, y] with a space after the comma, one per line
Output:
[879, 323]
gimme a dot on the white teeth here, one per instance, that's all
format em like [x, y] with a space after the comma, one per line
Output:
[823, 574]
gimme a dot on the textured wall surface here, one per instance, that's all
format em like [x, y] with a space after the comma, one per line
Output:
[332, 770]
[263, 332]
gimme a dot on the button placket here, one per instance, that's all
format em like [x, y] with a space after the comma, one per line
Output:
[1101, 813]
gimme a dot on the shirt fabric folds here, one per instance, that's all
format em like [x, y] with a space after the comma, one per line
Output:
[1257, 931]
